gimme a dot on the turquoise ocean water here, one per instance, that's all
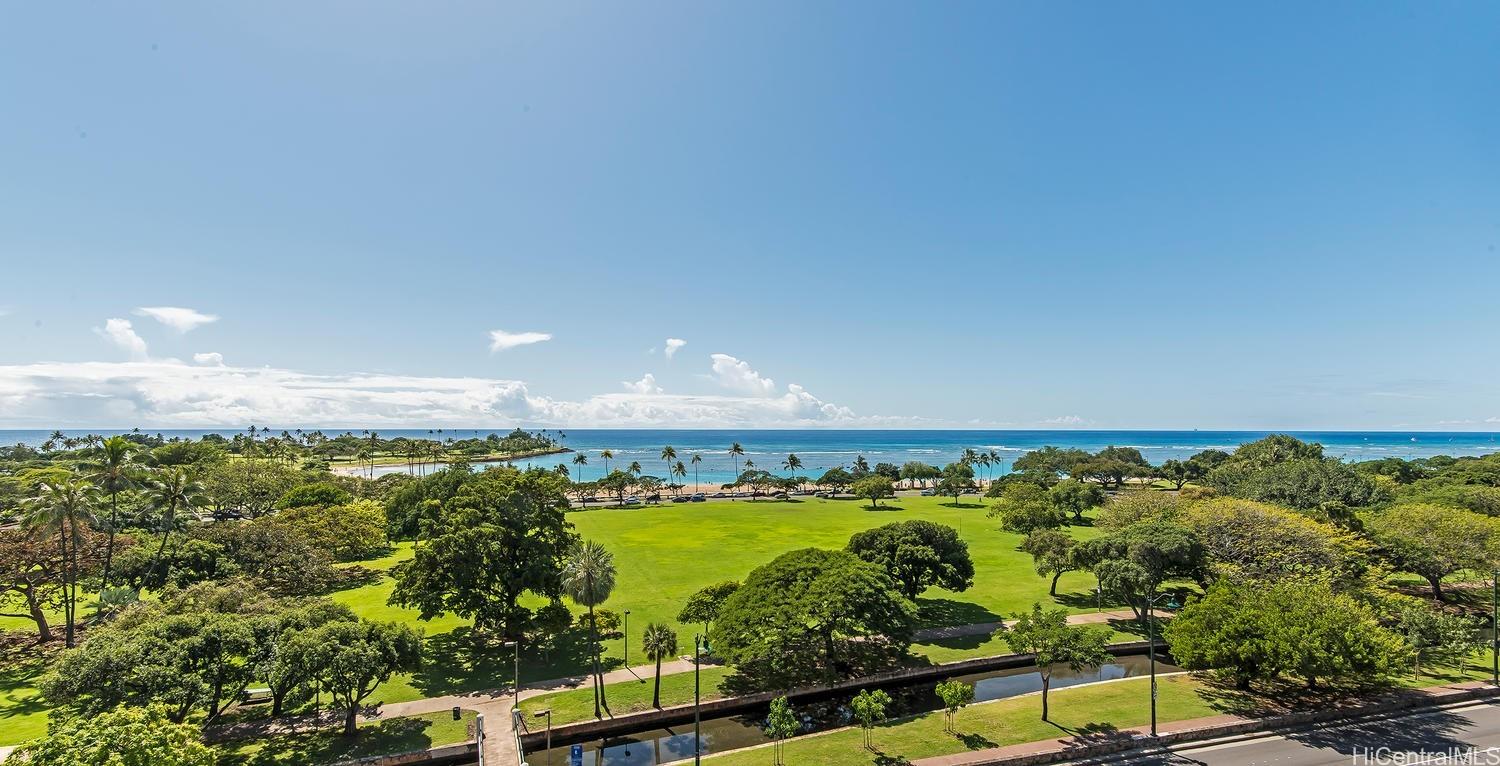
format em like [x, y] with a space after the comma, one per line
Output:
[820, 450]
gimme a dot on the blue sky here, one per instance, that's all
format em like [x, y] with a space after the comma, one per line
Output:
[1143, 215]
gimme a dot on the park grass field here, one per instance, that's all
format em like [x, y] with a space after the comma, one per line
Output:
[665, 553]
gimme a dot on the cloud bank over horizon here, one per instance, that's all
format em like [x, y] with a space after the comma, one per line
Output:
[173, 393]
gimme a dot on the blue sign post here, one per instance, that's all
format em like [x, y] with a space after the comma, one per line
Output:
[575, 756]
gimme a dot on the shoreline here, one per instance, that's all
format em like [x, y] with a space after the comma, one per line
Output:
[356, 469]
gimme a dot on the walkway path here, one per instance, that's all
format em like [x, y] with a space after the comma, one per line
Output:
[496, 704]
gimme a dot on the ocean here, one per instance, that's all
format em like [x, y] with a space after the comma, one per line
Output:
[821, 450]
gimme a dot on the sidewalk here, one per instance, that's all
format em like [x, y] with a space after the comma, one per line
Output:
[1194, 730]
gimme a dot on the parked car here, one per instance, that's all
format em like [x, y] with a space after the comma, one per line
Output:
[699, 498]
[632, 500]
[928, 492]
[720, 494]
[681, 499]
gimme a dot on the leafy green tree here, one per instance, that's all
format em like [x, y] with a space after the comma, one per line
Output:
[918, 555]
[659, 642]
[66, 508]
[1434, 542]
[812, 615]
[955, 480]
[348, 532]
[781, 723]
[1180, 472]
[955, 695]
[503, 534]
[194, 661]
[704, 605]
[1328, 486]
[869, 708]
[321, 493]
[139, 736]
[34, 567]
[1051, 554]
[1297, 627]
[249, 485]
[1246, 540]
[1024, 507]
[1075, 497]
[588, 577]
[287, 649]
[352, 660]
[1434, 636]
[191, 560]
[418, 503]
[1129, 508]
[873, 487]
[1132, 563]
[918, 472]
[836, 478]
[1050, 460]
[278, 557]
[1047, 636]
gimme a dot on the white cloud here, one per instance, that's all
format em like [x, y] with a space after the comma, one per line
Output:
[176, 317]
[169, 393]
[736, 375]
[120, 333]
[500, 340]
[672, 345]
[211, 358]
[646, 385]
[1065, 420]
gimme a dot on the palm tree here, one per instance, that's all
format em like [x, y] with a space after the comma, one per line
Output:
[735, 450]
[984, 460]
[793, 463]
[588, 576]
[173, 491]
[679, 471]
[668, 454]
[659, 641]
[995, 459]
[697, 458]
[65, 507]
[113, 472]
[55, 439]
[374, 447]
[607, 456]
[635, 468]
[580, 460]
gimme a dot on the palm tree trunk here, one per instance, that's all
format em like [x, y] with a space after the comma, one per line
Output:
[656, 693]
[62, 539]
[109, 547]
[594, 650]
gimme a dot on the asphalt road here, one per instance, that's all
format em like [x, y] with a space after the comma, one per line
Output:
[1473, 731]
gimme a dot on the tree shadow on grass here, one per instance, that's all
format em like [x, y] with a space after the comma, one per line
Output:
[886, 506]
[460, 661]
[975, 741]
[962, 506]
[395, 735]
[940, 612]
[880, 758]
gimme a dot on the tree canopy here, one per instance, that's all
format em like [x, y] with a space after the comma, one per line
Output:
[503, 534]
[917, 554]
[811, 615]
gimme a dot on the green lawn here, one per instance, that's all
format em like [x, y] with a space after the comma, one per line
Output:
[664, 553]
[393, 735]
[626, 697]
[23, 715]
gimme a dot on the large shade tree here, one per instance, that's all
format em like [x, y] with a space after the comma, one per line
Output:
[918, 555]
[503, 534]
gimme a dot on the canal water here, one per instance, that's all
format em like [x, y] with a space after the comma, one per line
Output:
[730, 732]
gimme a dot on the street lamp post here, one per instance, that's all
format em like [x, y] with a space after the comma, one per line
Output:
[700, 647]
[1495, 627]
[627, 638]
[548, 714]
[517, 646]
[1151, 650]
